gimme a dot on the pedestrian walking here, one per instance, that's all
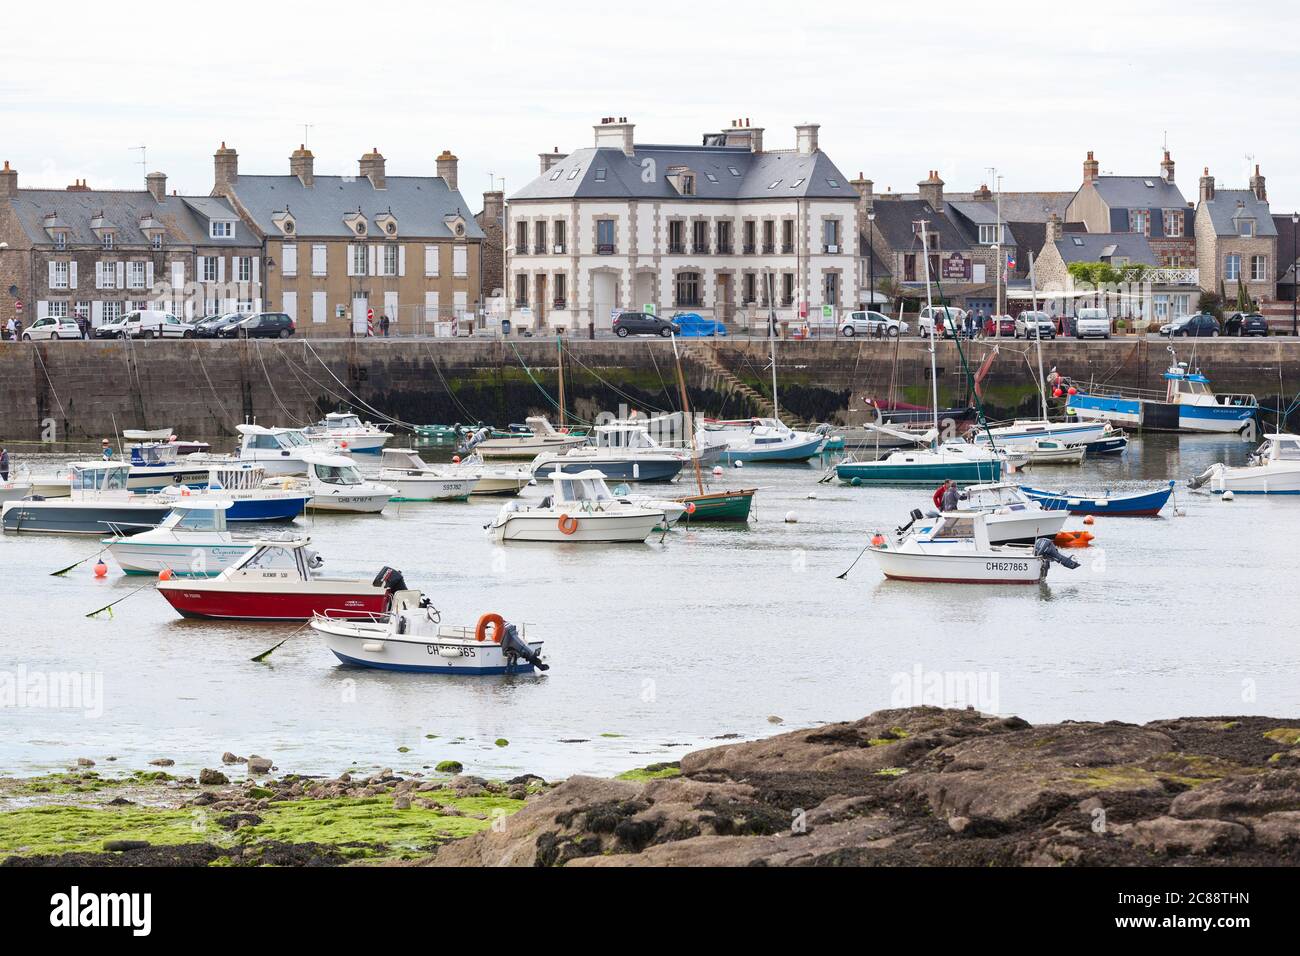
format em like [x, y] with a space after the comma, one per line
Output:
[4, 464]
[11, 328]
[383, 325]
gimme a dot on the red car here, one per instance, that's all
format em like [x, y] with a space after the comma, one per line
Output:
[1000, 325]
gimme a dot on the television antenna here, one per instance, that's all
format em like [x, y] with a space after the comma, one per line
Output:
[144, 166]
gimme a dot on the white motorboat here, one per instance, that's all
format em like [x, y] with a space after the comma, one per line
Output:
[580, 509]
[146, 434]
[98, 496]
[335, 485]
[955, 548]
[1053, 451]
[1011, 516]
[622, 452]
[1273, 469]
[411, 637]
[279, 450]
[416, 480]
[348, 432]
[526, 447]
[242, 484]
[14, 489]
[1025, 434]
[192, 541]
[493, 479]
[766, 439]
[960, 461]
[157, 465]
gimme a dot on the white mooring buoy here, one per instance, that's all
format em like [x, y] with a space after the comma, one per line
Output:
[1227, 496]
[791, 518]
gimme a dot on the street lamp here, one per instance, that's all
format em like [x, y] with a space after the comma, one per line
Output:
[871, 258]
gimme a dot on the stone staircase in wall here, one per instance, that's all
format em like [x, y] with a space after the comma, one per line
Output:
[759, 405]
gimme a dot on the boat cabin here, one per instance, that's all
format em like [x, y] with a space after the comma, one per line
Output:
[333, 469]
[283, 440]
[540, 425]
[197, 516]
[996, 497]
[403, 459]
[152, 454]
[242, 477]
[954, 527]
[585, 486]
[1185, 387]
[99, 477]
[1280, 447]
[278, 560]
[624, 437]
[340, 421]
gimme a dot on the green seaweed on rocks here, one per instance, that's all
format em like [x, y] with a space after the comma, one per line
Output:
[1284, 735]
[654, 771]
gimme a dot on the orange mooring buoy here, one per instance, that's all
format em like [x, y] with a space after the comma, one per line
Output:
[101, 569]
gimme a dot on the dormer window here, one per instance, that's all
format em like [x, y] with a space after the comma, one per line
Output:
[60, 240]
[688, 184]
[356, 223]
[221, 229]
[387, 224]
[156, 241]
[284, 222]
[1246, 228]
[108, 241]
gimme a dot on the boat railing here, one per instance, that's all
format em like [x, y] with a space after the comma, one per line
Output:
[351, 615]
[1114, 391]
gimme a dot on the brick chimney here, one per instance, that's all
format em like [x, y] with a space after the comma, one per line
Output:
[225, 169]
[1167, 168]
[931, 190]
[1207, 185]
[156, 183]
[866, 190]
[614, 133]
[548, 160]
[372, 167]
[78, 186]
[805, 136]
[983, 193]
[1055, 228]
[303, 165]
[1257, 185]
[494, 203]
[1090, 168]
[741, 133]
[447, 166]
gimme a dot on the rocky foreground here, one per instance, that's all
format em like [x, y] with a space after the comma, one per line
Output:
[920, 786]
[925, 786]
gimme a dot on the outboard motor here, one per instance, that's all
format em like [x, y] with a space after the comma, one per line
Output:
[915, 516]
[1205, 476]
[514, 647]
[1046, 548]
[390, 579]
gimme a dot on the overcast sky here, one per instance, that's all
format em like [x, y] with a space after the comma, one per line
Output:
[899, 88]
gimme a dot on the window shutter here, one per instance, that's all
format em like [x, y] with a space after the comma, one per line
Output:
[50, 268]
[430, 260]
[401, 260]
[318, 306]
[99, 275]
[221, 268]
[352, 260]
[431, 306]
[96, 312]
[374, 261]
[42, 309]
[178, 277]
[119, 270]
[72, 274]
[148, 276]
[257, 270]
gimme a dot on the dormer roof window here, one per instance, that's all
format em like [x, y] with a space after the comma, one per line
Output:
[387, 223]
[456, 223]
[284, 221]
[221, 229]
[356, 223]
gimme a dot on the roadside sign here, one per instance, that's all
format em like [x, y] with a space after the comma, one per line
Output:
[648, 308]
[18, 306]
[828, 312]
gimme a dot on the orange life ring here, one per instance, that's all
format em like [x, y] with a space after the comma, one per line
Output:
[498, 627]
[568, 524]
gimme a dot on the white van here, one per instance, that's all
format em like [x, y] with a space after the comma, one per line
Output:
[153, 324]
[1088, 322]
[952, 325]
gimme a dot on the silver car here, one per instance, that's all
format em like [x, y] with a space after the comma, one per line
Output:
[1031, 324]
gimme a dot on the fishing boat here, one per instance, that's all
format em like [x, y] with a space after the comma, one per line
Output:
[1054, 451]
[622, 452]
[959, 461]
[98, 496]
[251, 499]
[1028, 433]
[414, 479]
[492, 479]
[442, 434]
[1139, 504]
[1113, 441]
[1188, 404]
[580, 509]
[156, 465]
[766, 440]
[1273, 469]
[410, 636]
[279, 450]
[279, 581]
[1011, 516]
[347, 431]
[954, 548]
[334, 484]
[525, 447]
[192, 541]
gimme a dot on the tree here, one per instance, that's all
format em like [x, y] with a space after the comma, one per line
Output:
[1212, 303]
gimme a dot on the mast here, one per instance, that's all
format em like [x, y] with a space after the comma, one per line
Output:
[1038, 339]
[929, 305]
[688, 420]
[771, 334]
[559, 347]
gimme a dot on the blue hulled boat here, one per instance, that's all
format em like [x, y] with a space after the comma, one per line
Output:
[1141, 504]
[1188, 405]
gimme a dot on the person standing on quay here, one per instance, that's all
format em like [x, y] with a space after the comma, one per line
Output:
[4, 464]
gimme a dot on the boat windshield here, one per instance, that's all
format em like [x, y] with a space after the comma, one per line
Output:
[1287, 449]
[337, 474]
[955, 528]
[292, 439]
[344, 421]
[582, 489]
[101, 479]
[152, 454]
[201, 519]
[272, 559]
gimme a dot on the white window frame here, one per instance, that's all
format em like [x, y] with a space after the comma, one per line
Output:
[211, 269]
[988, 234]
[135, 275]
[221, 229]
[1259, 268]
[360, 259]
[1231, 267]
[1246, 228]
[244, 269]
[1174, 223]
[60, 275]
[388, 261]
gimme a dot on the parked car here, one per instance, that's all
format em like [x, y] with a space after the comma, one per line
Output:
[999, 325]
[1030, 324]
[1092, 322]
[210, 326]
[871, 323]
[1245, 323]
[52, 328]
[1200, 324]
[260, 325]
[113, 328]
[692, 324]
[954, 322]
[643, 323]
[154, 324]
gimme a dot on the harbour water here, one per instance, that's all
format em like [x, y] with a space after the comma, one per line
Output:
[661, 648]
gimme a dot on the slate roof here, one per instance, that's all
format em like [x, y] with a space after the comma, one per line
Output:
[1098, 246]
[1230, 205]
[80, 210]
[1286, 247]
[420, 204]
[1133, 192]
[606, 173]
[1016, 206]
[894, 219]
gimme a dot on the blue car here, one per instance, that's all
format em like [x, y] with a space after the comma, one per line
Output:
[694, 324]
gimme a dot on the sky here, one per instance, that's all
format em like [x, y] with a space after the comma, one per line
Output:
[899, 88]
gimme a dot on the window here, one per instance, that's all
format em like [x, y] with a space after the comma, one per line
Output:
[156, 241]
[521, 238]
[988, 235]
[774, 184]
[359, 260]
[289, 259]
[521, 291]
[560, 296]
[700, 237]
[112, 311]
[559, 235]
[1077, 240]
[831, 235]
[733, 170]
[219, 229]
[750, 288]
[244, 269]
[676, 237]
[909, 268]
[557, 174]
[1139, 220]
[58, 310]
[1232, 267]
[318, 259]
[1258, 268]
[390, 260]
[787, 288]
[1174, 223]
[688, 185]
[59, 275]
[108, 240]
[135, 275]
[600, 174]
[1246, 228]
[831, 289]
[604, 237]
[431, 260]
[724, 237]
[209, 268]
[60, 240]
[749, 237]
[574, 174]
[710, 177]
[833, 183]
[539, 237]
[688, 289]
[787, 237]
[769, 236]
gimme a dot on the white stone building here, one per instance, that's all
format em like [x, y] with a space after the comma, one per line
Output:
[726, 229]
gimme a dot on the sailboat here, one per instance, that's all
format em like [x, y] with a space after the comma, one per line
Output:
[959, 461]
[720, 506]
